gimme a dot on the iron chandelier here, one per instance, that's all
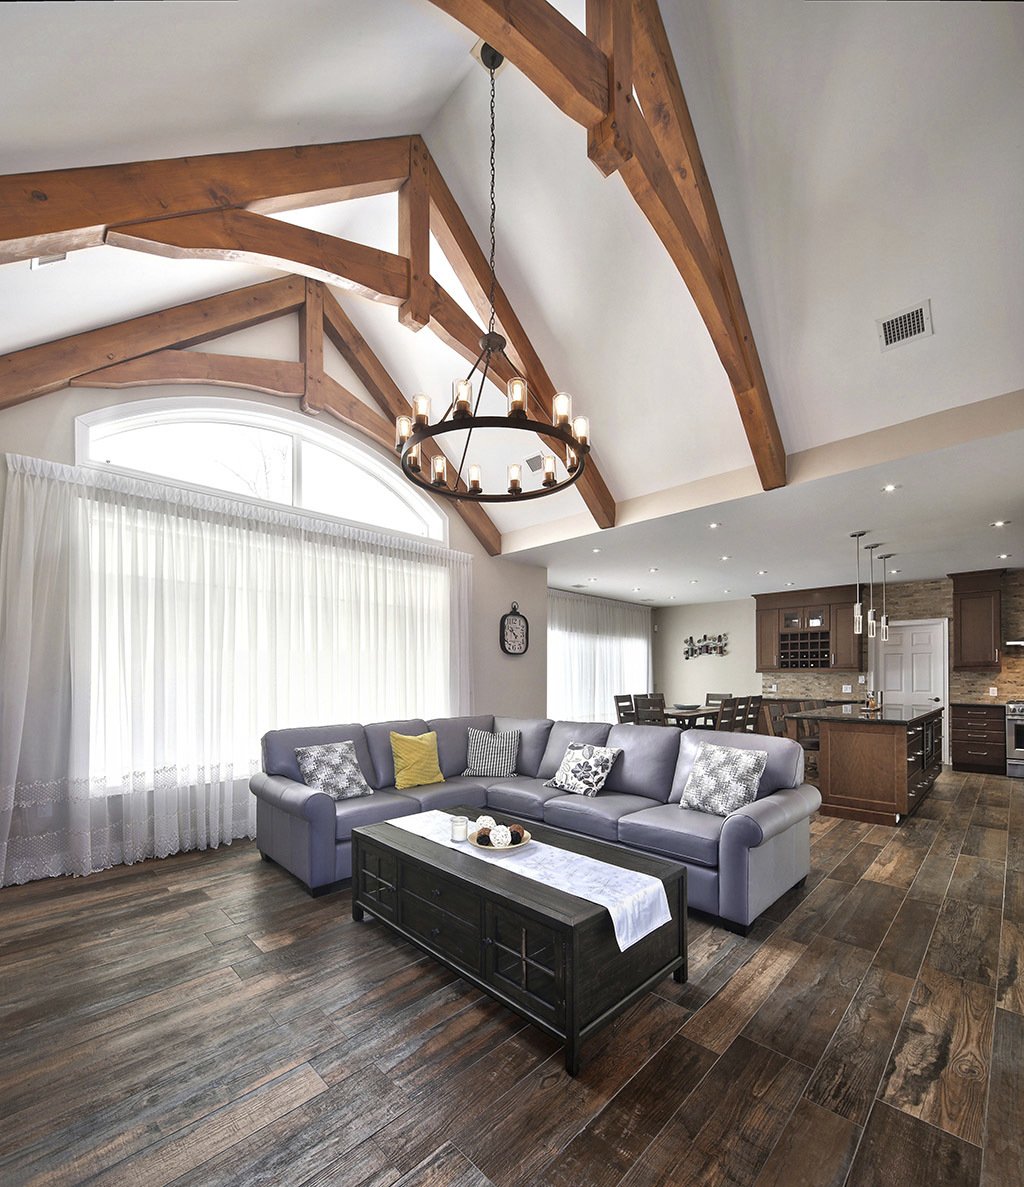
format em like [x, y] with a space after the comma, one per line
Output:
[462, 414]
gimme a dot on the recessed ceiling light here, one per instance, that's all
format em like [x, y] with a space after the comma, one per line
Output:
[671, 597]
[726, 591]
[654, 570]
[636, 588]
[694, 581]
[762, 572]
[727, 558]
[714, 525]
[889, 488]
[591, 578]
[1000, 523]
[893, 572]
[1005, 556]
[595, 550]
[789, 583]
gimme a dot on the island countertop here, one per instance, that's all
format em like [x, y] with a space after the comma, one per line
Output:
[884, 716]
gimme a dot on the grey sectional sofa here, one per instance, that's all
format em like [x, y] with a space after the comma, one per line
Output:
[738, 865]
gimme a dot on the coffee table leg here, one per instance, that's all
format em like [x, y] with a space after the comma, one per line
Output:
[572, 1055]
[357, 912]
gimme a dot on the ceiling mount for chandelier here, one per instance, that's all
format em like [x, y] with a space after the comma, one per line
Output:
[462, 413]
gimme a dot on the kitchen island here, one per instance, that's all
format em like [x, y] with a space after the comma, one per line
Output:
[876, 766]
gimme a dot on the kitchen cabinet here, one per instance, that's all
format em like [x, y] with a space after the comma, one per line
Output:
[979, 738]
[810, 629]
[977, 620]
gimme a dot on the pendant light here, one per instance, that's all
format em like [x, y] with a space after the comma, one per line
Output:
[462, 414]
[872, 623]
[883, 630]
[858, 615]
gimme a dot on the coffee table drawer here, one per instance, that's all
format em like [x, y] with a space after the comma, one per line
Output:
[525, 960]
[449, 937]
[441, 892]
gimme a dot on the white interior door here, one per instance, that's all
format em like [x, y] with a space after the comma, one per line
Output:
[911, 669]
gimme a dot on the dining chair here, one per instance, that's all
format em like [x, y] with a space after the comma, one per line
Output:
[650, 709]
[808, 734]
[716, 698]
[775, 718]
[725, 718]
[625, 712]
[739, 721]
[753, 714]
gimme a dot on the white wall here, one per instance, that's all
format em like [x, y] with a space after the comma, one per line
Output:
[44, 428]
[686, 681]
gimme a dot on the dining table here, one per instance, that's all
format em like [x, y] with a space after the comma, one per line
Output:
[692, 716]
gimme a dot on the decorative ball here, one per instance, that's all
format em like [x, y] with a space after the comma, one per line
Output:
[483, 836]
[485, 822]
[518, 832]
[501, 838]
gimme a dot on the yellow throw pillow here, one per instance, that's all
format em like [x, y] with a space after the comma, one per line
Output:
[415, 760]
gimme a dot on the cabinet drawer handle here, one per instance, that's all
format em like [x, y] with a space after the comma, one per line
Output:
[981, 753]
[981, 737]
[435, 932]
[437, 892]
[487, 941]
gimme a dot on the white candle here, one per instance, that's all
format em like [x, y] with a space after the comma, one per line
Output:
[460, 828]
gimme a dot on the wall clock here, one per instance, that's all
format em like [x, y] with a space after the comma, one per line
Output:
[514, 632]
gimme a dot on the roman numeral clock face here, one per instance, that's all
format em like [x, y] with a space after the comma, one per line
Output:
[514, 632]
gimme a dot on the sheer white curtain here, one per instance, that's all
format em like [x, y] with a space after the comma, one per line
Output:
[149, 636]
[596, 648]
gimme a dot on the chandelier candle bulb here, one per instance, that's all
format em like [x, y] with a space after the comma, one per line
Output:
[421, 409]
[517, 396]
[474, 479]
[515, 479]
[403, 430]
[581, 430]
[439, 471]
[572, 461]
[412, 459]
[549, 471]
[562, 409]
[462, 399]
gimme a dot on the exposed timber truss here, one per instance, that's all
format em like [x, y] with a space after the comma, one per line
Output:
[217, 206]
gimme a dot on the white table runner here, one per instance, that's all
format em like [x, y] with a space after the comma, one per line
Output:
[636, 902]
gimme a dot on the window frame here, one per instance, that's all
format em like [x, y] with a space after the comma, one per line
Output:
[196, 409]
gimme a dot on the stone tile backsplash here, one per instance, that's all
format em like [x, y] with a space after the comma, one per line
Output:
[929, 599]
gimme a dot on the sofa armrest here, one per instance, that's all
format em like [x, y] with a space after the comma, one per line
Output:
[755, 823]
[294, 798]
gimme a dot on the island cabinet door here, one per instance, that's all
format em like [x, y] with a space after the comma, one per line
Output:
[527, 961]
[767, 640]
[846, 646]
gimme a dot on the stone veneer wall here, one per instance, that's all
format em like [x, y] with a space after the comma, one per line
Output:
[929, 599]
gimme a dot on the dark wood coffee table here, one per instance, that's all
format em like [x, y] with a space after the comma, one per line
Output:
[549, 956]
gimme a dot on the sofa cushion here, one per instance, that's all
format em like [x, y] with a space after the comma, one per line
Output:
[449, 794]
[785, 766]
[648, 760]
[584, 768]
[378, 741]
[415, 759]
[371, 809]
[534, 739]
[595, 733]
[682, 833]
[521, 796]
[492, 756]
[451, 740]
[594, 816]
[279, 748]
[723, 778]
[334, 768]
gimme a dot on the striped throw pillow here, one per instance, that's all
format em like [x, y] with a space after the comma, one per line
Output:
[492, 756]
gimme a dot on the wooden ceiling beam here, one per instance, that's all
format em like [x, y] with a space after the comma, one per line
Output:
[374, 376]
[414, 235]
[50, 366]
[240, 235]
[547, 47]
[68, 209]
[270, 376]
[610, 27]
[311, 348]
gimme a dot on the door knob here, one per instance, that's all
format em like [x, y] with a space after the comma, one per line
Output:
[937, 700]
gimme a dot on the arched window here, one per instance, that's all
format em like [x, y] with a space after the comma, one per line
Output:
[257, 453]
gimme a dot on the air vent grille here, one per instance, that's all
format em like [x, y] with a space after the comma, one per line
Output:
[535, 462]
[915, 322]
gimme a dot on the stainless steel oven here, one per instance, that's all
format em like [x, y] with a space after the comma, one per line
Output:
[1015, 739]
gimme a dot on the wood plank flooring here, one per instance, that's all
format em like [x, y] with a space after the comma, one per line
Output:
[202, 1021]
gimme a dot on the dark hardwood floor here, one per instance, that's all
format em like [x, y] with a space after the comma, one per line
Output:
[201, 1020]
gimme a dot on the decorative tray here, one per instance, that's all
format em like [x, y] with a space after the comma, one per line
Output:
[504, 848]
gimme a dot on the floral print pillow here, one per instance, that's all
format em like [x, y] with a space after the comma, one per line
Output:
[584, 768]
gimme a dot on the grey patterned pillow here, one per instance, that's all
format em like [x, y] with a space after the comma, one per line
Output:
[723, 778]
[333, 768]
[492, 756]
[584, 768]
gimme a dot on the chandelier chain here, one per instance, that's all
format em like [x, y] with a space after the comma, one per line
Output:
[490, 324]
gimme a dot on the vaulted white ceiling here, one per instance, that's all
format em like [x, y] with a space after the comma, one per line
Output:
[864, 157]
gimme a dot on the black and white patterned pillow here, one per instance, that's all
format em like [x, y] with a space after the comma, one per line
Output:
[723, 778]
[334, 768]
[492, 756]
[584, 768]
